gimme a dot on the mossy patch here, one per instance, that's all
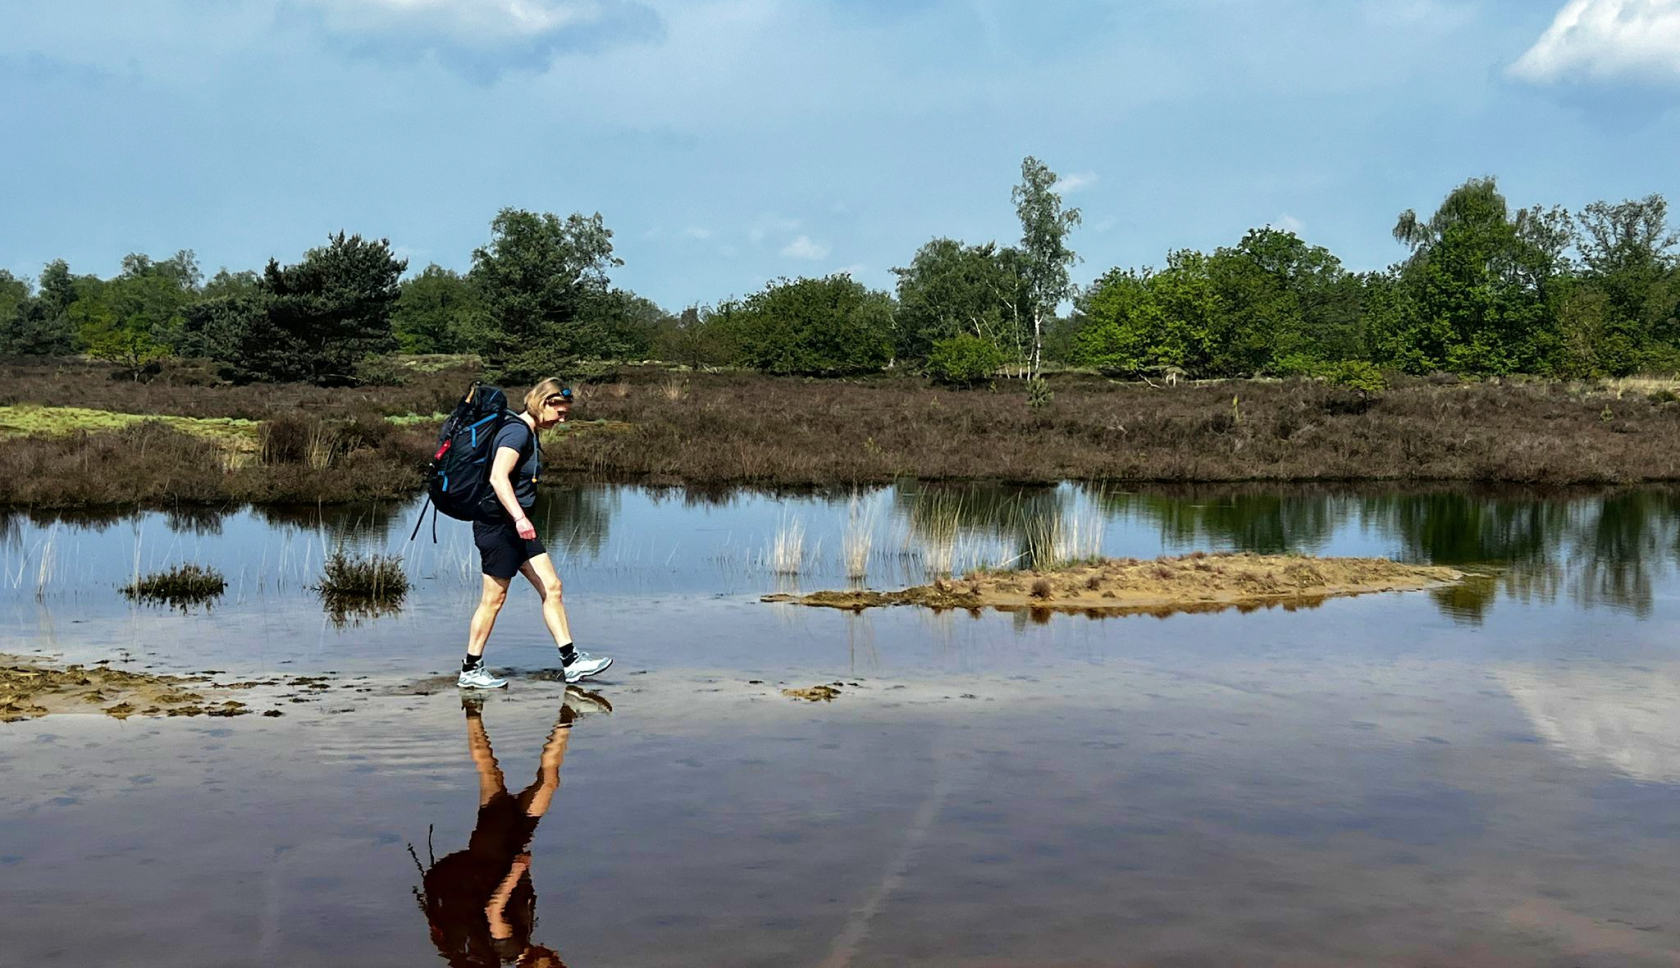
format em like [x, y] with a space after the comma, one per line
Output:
[25, 420]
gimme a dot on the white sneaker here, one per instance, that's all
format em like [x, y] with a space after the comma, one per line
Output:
[584, 665]
[480, 678]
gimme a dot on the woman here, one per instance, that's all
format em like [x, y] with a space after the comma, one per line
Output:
[507, 543]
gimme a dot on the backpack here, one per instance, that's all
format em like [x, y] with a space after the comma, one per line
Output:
[458, 475]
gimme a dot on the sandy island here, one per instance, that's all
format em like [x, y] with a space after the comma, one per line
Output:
[1117, 586]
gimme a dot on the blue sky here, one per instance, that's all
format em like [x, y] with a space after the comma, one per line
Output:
[729, 142]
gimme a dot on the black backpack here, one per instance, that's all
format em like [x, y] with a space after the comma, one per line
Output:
[458, 475]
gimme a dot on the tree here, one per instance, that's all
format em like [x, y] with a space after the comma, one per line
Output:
[696, 337]
[537, 278]
[1119, 319]
[1044, 229]
[316, 320]
[1627, 250]
[832, 326]
[15, 296]
[433, 311]
[951, 289]
[1474, 291]
[1283, 305]
[39, 324]
[134, 318]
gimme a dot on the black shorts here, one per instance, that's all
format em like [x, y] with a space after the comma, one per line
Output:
[501, 549]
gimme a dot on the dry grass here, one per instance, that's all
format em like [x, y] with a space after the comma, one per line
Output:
[744, 429]
[725, 429]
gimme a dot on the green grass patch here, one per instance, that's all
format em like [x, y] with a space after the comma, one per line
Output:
[414, 419]
[25, 420]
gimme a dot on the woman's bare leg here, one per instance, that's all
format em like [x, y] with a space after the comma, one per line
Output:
[540, 572]
[484, 617]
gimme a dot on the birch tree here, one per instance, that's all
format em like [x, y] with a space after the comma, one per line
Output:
[1044, 230]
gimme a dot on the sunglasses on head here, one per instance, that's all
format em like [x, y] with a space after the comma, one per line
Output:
[560, 399]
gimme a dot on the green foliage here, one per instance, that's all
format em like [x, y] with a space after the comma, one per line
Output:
[544, 297]
[1473, 295]
[38, 324]
[831, 326]
[696, 338]
[1045, 256]
[1357, 375]
[310, 322]
[964, 360]
[950, 289]
[132, 319]
[434, 311]
[1039, 393]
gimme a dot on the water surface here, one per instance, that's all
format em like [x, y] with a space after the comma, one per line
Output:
[1480, 776]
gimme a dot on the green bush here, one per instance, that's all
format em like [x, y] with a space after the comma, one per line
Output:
[813, 327]
[1357, 375]
[964, 360]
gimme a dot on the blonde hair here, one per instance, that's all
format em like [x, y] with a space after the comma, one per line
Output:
[542, 391]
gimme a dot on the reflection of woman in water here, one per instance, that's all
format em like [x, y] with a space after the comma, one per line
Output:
[479, 901]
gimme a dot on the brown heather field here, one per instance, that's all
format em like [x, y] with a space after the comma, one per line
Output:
[717, 429]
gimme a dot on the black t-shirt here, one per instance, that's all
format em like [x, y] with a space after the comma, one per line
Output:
[516, 435]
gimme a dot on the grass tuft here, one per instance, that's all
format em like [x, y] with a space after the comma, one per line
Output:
[369, 585]
[183, 585]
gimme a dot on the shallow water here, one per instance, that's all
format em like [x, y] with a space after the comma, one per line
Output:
[1478, 777]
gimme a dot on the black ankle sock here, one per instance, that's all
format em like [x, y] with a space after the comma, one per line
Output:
[568, 652]
[471, 662]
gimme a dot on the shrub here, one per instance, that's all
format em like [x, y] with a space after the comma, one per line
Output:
[964, 360]
[1039, 393]
[1357, 375]
[287, 439]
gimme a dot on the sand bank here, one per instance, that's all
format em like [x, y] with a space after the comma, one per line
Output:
[1196, 582]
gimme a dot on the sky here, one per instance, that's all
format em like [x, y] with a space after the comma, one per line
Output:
[731, 142]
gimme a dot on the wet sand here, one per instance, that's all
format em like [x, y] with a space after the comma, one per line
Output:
[30, 689]
[1195, 582]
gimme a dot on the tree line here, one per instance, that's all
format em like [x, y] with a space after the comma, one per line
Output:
[1480, 288]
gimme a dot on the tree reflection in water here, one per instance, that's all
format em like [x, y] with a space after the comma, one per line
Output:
[1604, 548]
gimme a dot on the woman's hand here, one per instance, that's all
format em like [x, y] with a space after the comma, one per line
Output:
[526, 529]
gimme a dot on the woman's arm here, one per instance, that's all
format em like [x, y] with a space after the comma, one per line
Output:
[501, 482]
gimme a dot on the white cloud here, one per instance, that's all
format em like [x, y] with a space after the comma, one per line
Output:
[1076, 181]
[772, 224]
[479, 20]
[696, 232]
[804, 248]
[853, 270]
[1607, 40]
[1289, 223]
[483, 38]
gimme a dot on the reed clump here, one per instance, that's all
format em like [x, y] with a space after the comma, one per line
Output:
[183, 585]
[371, 583]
